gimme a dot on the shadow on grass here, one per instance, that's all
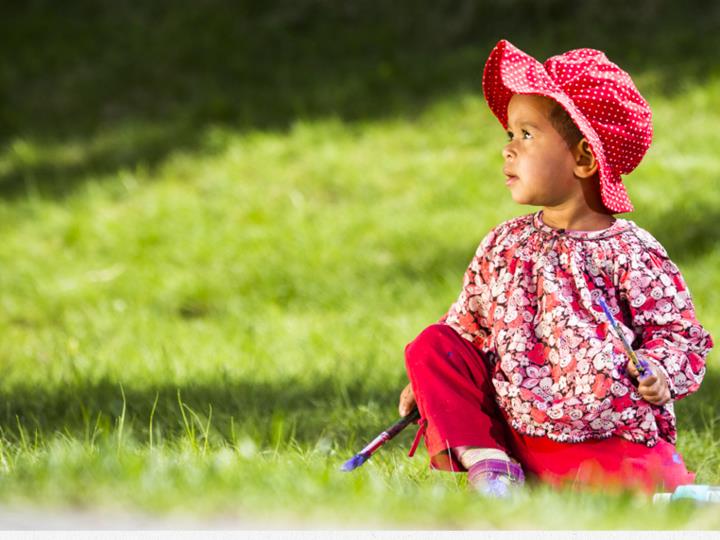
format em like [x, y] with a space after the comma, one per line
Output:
[269, 413]
[688, 231]
[151, 79]
[272, 414]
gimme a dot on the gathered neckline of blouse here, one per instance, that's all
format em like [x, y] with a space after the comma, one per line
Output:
[619, 226]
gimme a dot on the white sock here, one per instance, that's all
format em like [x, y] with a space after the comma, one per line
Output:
[472, 455]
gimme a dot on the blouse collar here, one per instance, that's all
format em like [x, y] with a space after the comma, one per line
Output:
[618, 226]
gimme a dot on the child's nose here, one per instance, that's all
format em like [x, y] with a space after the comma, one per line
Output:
[508, 151]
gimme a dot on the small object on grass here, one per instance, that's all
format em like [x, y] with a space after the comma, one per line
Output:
[642, 365]
[365, 454]
[699, 493]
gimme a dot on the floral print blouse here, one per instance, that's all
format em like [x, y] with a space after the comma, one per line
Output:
[529, 304]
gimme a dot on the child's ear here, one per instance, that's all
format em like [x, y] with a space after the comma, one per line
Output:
[585, 162]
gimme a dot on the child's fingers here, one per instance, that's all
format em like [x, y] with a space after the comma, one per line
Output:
[407, 401]
[651, 387]
[659, 397]
[649, 381]
[650, 392]
[654, 390]
[632, 370]
[406, 406]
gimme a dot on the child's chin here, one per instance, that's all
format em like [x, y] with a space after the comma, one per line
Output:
[522, 199]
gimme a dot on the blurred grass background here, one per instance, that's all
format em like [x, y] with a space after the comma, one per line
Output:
[222, 222]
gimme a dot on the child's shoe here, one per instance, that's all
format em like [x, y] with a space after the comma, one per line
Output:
[496, 478]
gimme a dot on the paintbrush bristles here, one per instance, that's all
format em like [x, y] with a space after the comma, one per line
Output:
[354, 462]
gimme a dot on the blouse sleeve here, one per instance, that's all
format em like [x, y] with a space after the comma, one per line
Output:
[663, 320]
[468, 315]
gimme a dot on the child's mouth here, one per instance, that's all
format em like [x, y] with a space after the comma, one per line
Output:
[509, 176]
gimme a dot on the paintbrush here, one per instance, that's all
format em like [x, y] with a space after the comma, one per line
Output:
[367, 452]
[642, 365]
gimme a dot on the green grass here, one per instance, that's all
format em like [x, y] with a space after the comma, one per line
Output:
[205, 311]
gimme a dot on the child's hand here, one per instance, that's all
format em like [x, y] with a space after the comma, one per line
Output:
[652, 386]
[407, 401]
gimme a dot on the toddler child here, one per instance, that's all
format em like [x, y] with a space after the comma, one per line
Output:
[523, 374]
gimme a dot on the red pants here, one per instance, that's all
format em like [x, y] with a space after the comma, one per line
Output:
[454, 393]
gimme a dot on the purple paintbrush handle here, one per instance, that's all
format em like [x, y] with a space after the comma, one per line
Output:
[389, 433]
[642, 365]
[376, 443]
[365, 454]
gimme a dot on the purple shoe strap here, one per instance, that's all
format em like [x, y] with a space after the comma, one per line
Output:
[494, 467]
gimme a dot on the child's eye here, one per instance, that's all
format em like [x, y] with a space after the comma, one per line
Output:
[525, 135]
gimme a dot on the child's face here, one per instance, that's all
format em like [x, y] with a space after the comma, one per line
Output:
[538, 163]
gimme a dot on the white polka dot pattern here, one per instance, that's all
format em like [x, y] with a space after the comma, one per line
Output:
[599, 96]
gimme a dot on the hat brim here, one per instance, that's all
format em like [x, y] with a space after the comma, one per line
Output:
[509, 71]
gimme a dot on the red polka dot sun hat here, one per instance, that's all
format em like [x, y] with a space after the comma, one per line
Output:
[600, 97]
